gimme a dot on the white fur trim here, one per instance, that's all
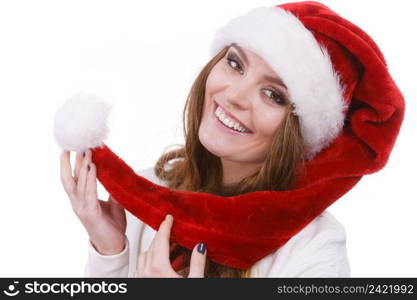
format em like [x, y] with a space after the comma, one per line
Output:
[291, 50]
[80, 123]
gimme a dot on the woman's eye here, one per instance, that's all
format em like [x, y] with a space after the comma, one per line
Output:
[234, 64]
[274, 96]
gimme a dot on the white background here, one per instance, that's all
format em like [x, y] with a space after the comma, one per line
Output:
[143, 56]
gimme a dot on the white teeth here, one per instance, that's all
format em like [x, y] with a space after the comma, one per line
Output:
[229, 123]
[218, 110]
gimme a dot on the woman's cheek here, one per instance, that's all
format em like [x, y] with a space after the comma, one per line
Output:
[218, 77]
[271, 120]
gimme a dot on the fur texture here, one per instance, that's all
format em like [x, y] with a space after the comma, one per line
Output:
[80, 123]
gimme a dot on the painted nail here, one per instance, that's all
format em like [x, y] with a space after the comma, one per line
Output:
[201, 248]
[83, 154]
[88, 168]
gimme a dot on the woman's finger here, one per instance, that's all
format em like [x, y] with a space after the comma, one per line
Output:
[91, 186]
[81, 184]
[159, 249]
[66, 173]
[78, 163]
[198, 261]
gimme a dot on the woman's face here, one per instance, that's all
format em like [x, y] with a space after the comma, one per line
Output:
[239, 90]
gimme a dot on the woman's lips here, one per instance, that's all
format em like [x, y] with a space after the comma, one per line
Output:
[224, 127]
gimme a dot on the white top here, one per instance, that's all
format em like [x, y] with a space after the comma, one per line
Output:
[318, 250]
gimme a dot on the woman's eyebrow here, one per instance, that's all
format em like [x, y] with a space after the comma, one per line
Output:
[275, 80]
[241, 52]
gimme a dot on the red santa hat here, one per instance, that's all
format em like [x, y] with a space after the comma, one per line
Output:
[350, 112]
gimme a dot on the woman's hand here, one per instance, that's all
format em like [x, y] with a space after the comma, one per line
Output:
[155, 262]
[105, 222]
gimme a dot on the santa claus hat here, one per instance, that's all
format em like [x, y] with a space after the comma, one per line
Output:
[350, 111]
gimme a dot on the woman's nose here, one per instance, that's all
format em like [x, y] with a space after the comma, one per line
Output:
[239, 96]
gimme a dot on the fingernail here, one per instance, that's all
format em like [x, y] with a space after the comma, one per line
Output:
[168, 217]
[83, 154]
[201, 248]
[88, 168]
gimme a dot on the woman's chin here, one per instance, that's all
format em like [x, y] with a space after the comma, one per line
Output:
[216, 142]
[215, 149]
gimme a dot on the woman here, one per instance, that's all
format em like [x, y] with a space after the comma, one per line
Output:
[252, 119]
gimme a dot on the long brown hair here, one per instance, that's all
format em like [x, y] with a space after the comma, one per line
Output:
[191, 167]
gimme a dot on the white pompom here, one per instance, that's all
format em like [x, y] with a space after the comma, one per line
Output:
[81, 122]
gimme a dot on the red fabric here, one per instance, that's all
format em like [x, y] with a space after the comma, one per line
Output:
[238, 231]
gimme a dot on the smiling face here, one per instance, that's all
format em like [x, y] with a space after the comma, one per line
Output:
[241, 92]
